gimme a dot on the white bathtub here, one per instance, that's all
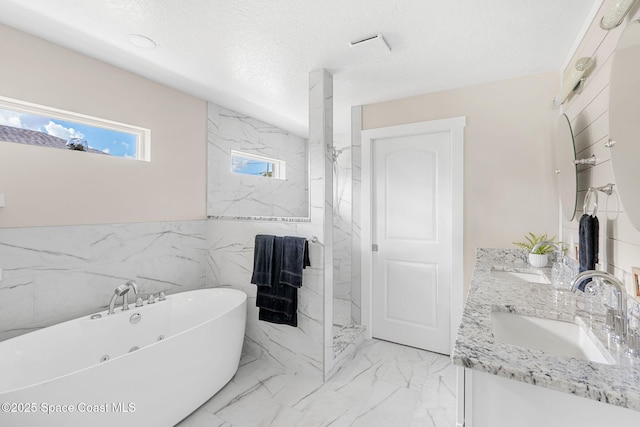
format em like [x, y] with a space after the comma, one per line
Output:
[188, 349]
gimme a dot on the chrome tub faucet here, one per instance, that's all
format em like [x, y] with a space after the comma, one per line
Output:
[122, 291]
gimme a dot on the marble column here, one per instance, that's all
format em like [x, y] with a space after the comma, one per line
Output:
[321, 173]
[356, 161]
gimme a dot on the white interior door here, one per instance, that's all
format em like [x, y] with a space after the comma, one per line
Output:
[412, 231]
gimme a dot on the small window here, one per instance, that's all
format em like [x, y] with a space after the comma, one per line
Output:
[251, 164]
[32, 124]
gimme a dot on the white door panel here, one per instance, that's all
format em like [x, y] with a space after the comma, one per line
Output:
[412, 229]
[418, 280]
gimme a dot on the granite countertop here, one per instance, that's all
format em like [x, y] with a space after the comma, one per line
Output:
[476, 347]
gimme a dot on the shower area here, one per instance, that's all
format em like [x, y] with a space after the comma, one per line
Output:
[329, 301]
[342, 232]
[345, 153]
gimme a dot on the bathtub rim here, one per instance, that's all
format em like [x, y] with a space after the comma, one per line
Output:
[198, 325]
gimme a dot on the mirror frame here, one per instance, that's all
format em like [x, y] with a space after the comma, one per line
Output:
[565, 167]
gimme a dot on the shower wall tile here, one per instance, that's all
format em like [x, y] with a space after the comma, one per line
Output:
[230, 263]
[53, 274]
[231, 194]
[342, 233]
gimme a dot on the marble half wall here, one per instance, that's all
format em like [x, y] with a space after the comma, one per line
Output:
[54, 274]
[231, 194]
[230, 263]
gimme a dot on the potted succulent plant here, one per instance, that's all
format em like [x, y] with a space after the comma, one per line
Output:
[539, 257]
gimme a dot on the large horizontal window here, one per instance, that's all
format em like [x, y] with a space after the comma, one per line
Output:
[37, 125]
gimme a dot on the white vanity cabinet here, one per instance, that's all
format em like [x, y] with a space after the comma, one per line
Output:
[492, 401]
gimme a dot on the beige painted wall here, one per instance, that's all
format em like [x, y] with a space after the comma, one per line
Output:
[46, 186]
[509, 187]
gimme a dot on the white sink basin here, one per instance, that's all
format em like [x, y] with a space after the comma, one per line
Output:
[534, 277]
[552, 336]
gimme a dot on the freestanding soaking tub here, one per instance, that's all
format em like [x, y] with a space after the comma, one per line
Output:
[147, 366]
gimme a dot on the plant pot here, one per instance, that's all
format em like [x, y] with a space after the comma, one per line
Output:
[537, 260]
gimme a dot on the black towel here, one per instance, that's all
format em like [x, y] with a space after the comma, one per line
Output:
[295, 257]
[263, 260]
[284, 318]
[278, 303]
[588, 245]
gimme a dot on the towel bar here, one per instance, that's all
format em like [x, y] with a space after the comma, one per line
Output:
[314, 239]
[606, 189]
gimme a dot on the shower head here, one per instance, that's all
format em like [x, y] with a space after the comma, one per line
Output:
[121, 290]
[335, 153]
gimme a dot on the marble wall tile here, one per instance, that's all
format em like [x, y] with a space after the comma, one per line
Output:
[53, 274]
[230, 263]
[16, 305]
[342, 233]
[231, 194]
[25, 250]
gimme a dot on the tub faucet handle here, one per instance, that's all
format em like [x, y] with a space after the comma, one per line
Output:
[151, 299]
[139, 302]
[129, 285]
[162, 296]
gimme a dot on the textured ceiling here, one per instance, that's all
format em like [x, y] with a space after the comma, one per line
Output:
[254, 56]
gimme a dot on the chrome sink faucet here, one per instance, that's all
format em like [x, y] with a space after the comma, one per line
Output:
[618, 322]
[121, 291]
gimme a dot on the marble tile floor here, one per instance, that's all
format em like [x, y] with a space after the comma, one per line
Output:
[343, 335]
[383, 385]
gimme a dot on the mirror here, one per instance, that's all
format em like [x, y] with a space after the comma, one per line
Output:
[254, 169]
[624, 126]
[565, 168]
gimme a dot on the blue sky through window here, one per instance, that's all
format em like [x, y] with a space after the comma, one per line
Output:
[250, 167]
[112, 142]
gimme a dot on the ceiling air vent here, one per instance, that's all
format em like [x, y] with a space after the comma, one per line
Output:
[370, 47]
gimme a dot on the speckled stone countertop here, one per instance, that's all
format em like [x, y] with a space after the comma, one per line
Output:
[476, 347]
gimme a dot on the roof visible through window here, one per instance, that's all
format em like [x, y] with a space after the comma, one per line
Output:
[29, 124]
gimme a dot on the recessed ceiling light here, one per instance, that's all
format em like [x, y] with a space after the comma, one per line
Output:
[141, 41]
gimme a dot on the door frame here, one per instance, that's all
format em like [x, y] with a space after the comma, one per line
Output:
[455, 126]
